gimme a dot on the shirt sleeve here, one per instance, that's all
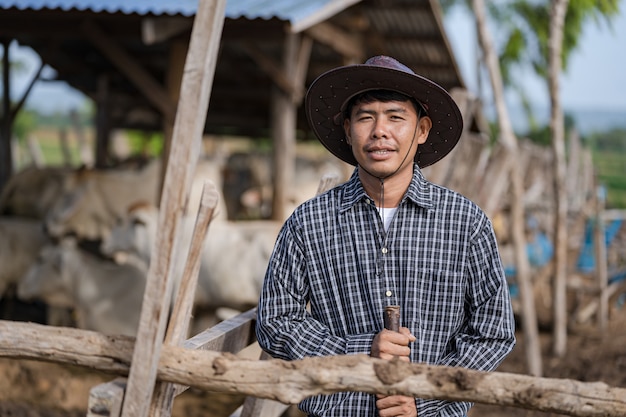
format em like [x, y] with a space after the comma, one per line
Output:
[285, 328]
[489, 333]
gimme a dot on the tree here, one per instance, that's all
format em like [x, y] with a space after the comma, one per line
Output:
[557, 30]
[509, 142]
[543, 36]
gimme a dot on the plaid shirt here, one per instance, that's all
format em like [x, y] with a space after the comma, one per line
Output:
[439, 261]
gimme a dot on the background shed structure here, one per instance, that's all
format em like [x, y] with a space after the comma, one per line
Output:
[129, 56]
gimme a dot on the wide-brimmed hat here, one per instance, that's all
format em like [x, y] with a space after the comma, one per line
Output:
[329, 94]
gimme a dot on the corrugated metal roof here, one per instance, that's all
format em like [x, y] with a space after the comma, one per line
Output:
[158, 7]
[288, 10]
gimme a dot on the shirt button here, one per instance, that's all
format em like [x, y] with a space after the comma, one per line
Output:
[388, 293]
[384, 250]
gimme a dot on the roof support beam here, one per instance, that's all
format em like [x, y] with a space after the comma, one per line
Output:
[275, 72]
[344, 43]
[151, 89]
[161, 29]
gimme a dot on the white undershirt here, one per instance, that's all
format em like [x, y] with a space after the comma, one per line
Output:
[386, 214]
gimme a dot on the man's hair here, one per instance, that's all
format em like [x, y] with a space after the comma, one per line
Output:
[381, 95]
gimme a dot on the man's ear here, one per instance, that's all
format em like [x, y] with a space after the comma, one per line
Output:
[424, 126]
[346, 131]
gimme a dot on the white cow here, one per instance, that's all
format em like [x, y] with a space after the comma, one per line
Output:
[21, 239]
[93, 201]
[106, 297]
[233, 261]
[32, 192]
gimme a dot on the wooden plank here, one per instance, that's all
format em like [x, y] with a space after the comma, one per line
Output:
[105, 400]
[231, 335]
[186, 145]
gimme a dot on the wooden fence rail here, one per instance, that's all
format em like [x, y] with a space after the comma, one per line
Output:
[290, 382]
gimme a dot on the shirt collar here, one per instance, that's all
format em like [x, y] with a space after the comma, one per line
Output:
[420, 191]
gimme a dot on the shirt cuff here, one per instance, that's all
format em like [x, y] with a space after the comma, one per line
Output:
[360, 343]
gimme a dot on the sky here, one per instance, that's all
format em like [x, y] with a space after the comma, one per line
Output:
[596, 74]
[596, 78]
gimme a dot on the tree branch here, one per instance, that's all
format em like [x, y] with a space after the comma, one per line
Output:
[291, 382]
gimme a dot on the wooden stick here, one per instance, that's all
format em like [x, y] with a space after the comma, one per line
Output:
[392, 318]
[186, 142]
[181, 315]
[292, 381]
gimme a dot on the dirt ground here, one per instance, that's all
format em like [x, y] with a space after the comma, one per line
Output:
[39, 389]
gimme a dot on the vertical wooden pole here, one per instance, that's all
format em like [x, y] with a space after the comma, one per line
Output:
[284, 113]
[186, 143]
[6, 160]
[176, 65]
[102, 122]
[601, 261]
[181, 314]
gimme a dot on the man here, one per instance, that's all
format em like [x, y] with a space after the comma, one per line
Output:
[386, 237]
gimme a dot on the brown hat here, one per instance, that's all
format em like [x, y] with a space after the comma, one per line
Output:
[329, 94]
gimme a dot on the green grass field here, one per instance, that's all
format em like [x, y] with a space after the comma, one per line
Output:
[611, 169]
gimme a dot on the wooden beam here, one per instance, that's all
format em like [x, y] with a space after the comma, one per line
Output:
[292, 381]
[160, 29]
[22, 100]
[346, 44]
[143, 80]
[274, 71]
[186, 146]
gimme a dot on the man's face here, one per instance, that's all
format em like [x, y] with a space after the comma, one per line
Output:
[385, 135]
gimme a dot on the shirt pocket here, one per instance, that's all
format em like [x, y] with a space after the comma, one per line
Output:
[437, 313]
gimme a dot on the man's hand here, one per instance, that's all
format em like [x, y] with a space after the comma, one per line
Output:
[395, 406]
[388, 345]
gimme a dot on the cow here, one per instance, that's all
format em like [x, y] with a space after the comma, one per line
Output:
[93, 200]
[32, 191]
[21, 239]
[105, 296]
[248, 182]
[233, 260]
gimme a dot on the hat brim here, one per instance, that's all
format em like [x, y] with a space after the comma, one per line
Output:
[330, 92]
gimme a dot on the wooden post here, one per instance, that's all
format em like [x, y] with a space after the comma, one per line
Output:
[601, 260]
[284, 107]
[102, 122]
[176, 66]
[84, 150]
[6, 160]
[186, 143]
[181, 314]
